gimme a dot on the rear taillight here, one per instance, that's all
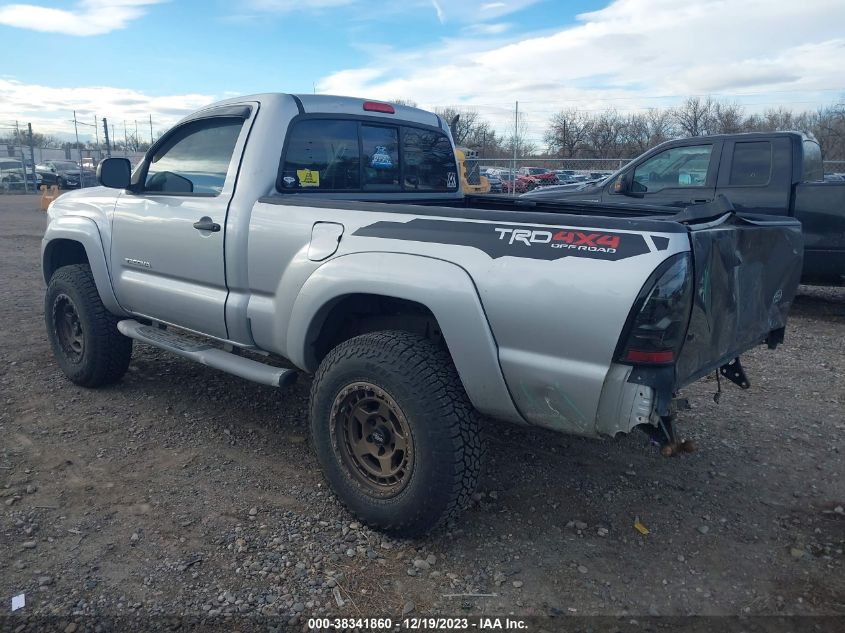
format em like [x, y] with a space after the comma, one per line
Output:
[658, 321]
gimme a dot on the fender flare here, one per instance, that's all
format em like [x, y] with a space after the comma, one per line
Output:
[446, 289]
[84, 231]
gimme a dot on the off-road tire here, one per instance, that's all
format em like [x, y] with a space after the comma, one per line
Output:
[105, 355]
[419, 376]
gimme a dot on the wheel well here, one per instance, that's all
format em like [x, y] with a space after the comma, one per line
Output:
[63, 253]
[358, 314]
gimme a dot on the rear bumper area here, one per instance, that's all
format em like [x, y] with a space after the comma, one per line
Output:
[624, 403]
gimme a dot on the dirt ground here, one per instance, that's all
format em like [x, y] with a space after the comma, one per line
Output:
[182, 490]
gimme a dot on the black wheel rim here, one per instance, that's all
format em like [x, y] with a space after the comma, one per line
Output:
[68, 328]
[372, 439]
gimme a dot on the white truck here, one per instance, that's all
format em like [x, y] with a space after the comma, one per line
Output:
[332, 232]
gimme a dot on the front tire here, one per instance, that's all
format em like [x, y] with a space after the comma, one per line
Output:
[394, 431]
[82, 332]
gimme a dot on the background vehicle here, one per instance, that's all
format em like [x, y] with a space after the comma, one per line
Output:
[523, 184]
[495, 181]
[358, 258]
[472, 180]
[540, 176]
[64, 173]
[776, 173]
[12, 174]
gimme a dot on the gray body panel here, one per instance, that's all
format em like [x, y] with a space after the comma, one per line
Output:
[532, 338]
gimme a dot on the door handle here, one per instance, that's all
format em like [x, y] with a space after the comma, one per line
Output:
[700, 200]
[205, 223]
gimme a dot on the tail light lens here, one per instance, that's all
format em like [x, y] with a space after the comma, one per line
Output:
[658, 321]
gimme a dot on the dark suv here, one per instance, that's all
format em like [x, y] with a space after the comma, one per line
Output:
[65, 174]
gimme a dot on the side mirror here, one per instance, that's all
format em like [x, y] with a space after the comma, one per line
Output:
[623, 184]
[114, 172]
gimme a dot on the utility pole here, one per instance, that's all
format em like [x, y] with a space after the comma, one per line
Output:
[515, 139]
[137, 138]
[151, 130]
[106, 134]
[125, 139]
[23, 159]
[78, 149]
[31, 147]
[97, 139]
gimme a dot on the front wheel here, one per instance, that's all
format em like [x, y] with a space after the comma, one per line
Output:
[83, 333]
[394, 431]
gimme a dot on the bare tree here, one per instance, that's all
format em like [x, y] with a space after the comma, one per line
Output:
[728, 118]
[642, 131]
[405, 102]
[567, 132]
[484, 139]
[463, 123]
[694, 116]
[605, 134]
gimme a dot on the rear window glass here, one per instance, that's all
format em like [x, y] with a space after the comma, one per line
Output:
[322, 155]
[752, 163]
[429, 162]
[380, 146]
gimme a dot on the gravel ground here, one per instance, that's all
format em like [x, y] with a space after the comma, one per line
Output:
[182, 490]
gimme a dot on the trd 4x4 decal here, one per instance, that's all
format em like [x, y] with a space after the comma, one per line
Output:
[515, 241]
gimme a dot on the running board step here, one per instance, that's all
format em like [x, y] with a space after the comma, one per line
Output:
[207, 354]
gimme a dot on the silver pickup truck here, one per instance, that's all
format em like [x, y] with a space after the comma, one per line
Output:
[331, 232]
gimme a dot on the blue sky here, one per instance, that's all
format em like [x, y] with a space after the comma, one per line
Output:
[133, 58]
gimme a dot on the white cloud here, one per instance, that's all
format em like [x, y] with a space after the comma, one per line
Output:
[437, 8]
[485, 28]
[285, 6]
[623, 56]
[50, 110]
[89, 17]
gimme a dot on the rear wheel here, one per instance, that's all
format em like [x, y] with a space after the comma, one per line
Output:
[395, 432]
[82, 332]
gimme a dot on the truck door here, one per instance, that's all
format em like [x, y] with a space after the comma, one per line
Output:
[677, 176]
[168, 233]
[756, 174]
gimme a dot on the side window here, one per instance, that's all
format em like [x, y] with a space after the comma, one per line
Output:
[751, 164]
[428, 161]
[812, 168]
[672, 168]
[322, 154]
[380, 148]
[195, 158]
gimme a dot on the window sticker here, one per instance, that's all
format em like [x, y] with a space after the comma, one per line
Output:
[308, 177]
[381, 159]
[451, 182]
[289, 181]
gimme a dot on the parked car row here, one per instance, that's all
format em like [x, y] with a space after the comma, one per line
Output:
[14, 176]
[530, 178]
